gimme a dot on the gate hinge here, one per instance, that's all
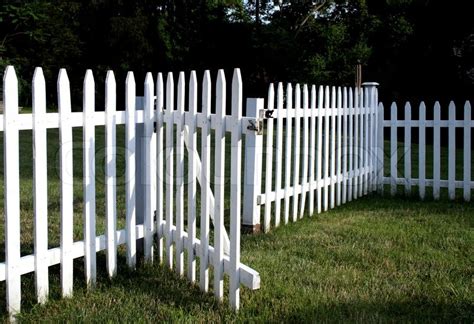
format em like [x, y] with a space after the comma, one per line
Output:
[257, 124]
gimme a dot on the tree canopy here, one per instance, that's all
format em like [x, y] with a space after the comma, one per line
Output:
[421, 48]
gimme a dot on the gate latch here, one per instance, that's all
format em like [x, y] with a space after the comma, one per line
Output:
[257, 124]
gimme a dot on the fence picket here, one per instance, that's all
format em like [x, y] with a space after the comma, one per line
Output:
[148, 121]
[327, 113]
[364, 100]
[268, 160]
[110, 174]
[393, 150]
[304, 180]
[159, 164]
[467, 151]
[312, 150]
[12, 192]
[421, 151]
[40, 181]
[407, 149]
[452, 152]
[339, 147]
[332, 156]
[380, 147]
[169, 158]
[319, 152]
[205, 180]
[192, 142]
[179, 176]
[296, 173]
[219, 185]
[344, 145]
[66, 167]
[357, 149]
[235, 194]
[436, 151]
[130, 169]
[289, 105]
[89, 179]
[279, 152]
[350, 182]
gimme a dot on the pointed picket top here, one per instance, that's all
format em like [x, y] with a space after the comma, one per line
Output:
[64, 93]
[356, 97]
[10, 92]
[351, 98]
[393, 111]
[297, 96]
[452, 110]
[39, 92]
[130, 92]
[169, 93]
[181, 92]
[289, 95]
[149, 94]
[339, 97]
[110, 92]
[467, 107]
[408, 108]
[437, 109]
[320, 97]
[220, 94]
[89, 92]
[280, 98]
[313, 96]
[271, 96]
[159, 92]
[327, 96]
[193, 93]
[206, 93]
[237, 94]
[305, 96]
[422, 109]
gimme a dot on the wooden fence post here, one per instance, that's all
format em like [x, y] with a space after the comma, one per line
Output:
[253, 171]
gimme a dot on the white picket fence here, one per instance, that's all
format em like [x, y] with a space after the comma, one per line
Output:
[401, 157]
[161, 161]
[324, 153]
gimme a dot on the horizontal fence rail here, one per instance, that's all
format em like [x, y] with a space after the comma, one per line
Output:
[409, 159]
[159, 135]
[320, 150]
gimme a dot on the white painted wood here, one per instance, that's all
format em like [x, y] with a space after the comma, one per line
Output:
[407, 149]
[467, 151]
[235, 192]
[192, 188]
[350, 185]
[452, 152]
[393, 150]
[297, 152]
[357, 150]
[89, 180]
[421, 151]
[319, 152]
[219, 186]
[110, 173]
[344, 145]
[366, 164]
[159, 162]
[253, 166]
[40, 185]
[179, 176]
[205, 180]
[361, 143]
[169, 158]
[11, 192]
[130, 96]
[289, 122]
[148, 121]
[339, 147]
[436, 151]
[305, 155]
[326, 157]
[381, 147]
[279, 151]
[332, 157]
[67, 189]
[312, 150]
[268, 159]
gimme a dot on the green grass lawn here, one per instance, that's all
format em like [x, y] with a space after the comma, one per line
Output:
[375, 259]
